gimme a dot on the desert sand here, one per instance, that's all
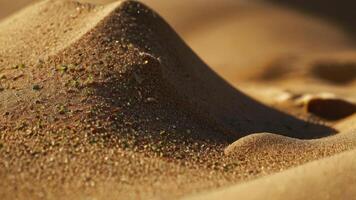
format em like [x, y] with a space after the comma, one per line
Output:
[176, 100]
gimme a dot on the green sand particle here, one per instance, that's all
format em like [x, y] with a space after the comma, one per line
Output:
[63, 68]
[20, 66]
[62, 109]
[36, 87]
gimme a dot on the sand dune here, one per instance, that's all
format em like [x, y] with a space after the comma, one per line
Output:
[264, 150]
[330, 178]
[107, 101]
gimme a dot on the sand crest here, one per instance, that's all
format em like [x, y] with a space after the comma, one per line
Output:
[330, 178]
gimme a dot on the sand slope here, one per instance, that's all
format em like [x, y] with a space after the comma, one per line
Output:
[330, 178]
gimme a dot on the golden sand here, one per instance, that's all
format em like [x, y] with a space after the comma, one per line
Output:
[108, 102]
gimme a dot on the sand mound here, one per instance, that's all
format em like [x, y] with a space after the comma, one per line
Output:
[273, 152]
[136, 61]
[330, 178]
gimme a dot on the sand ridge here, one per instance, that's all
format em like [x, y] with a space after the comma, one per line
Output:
[31, 42]
[330, 178]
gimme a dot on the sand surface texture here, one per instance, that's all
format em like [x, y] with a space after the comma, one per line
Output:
[176, 100]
